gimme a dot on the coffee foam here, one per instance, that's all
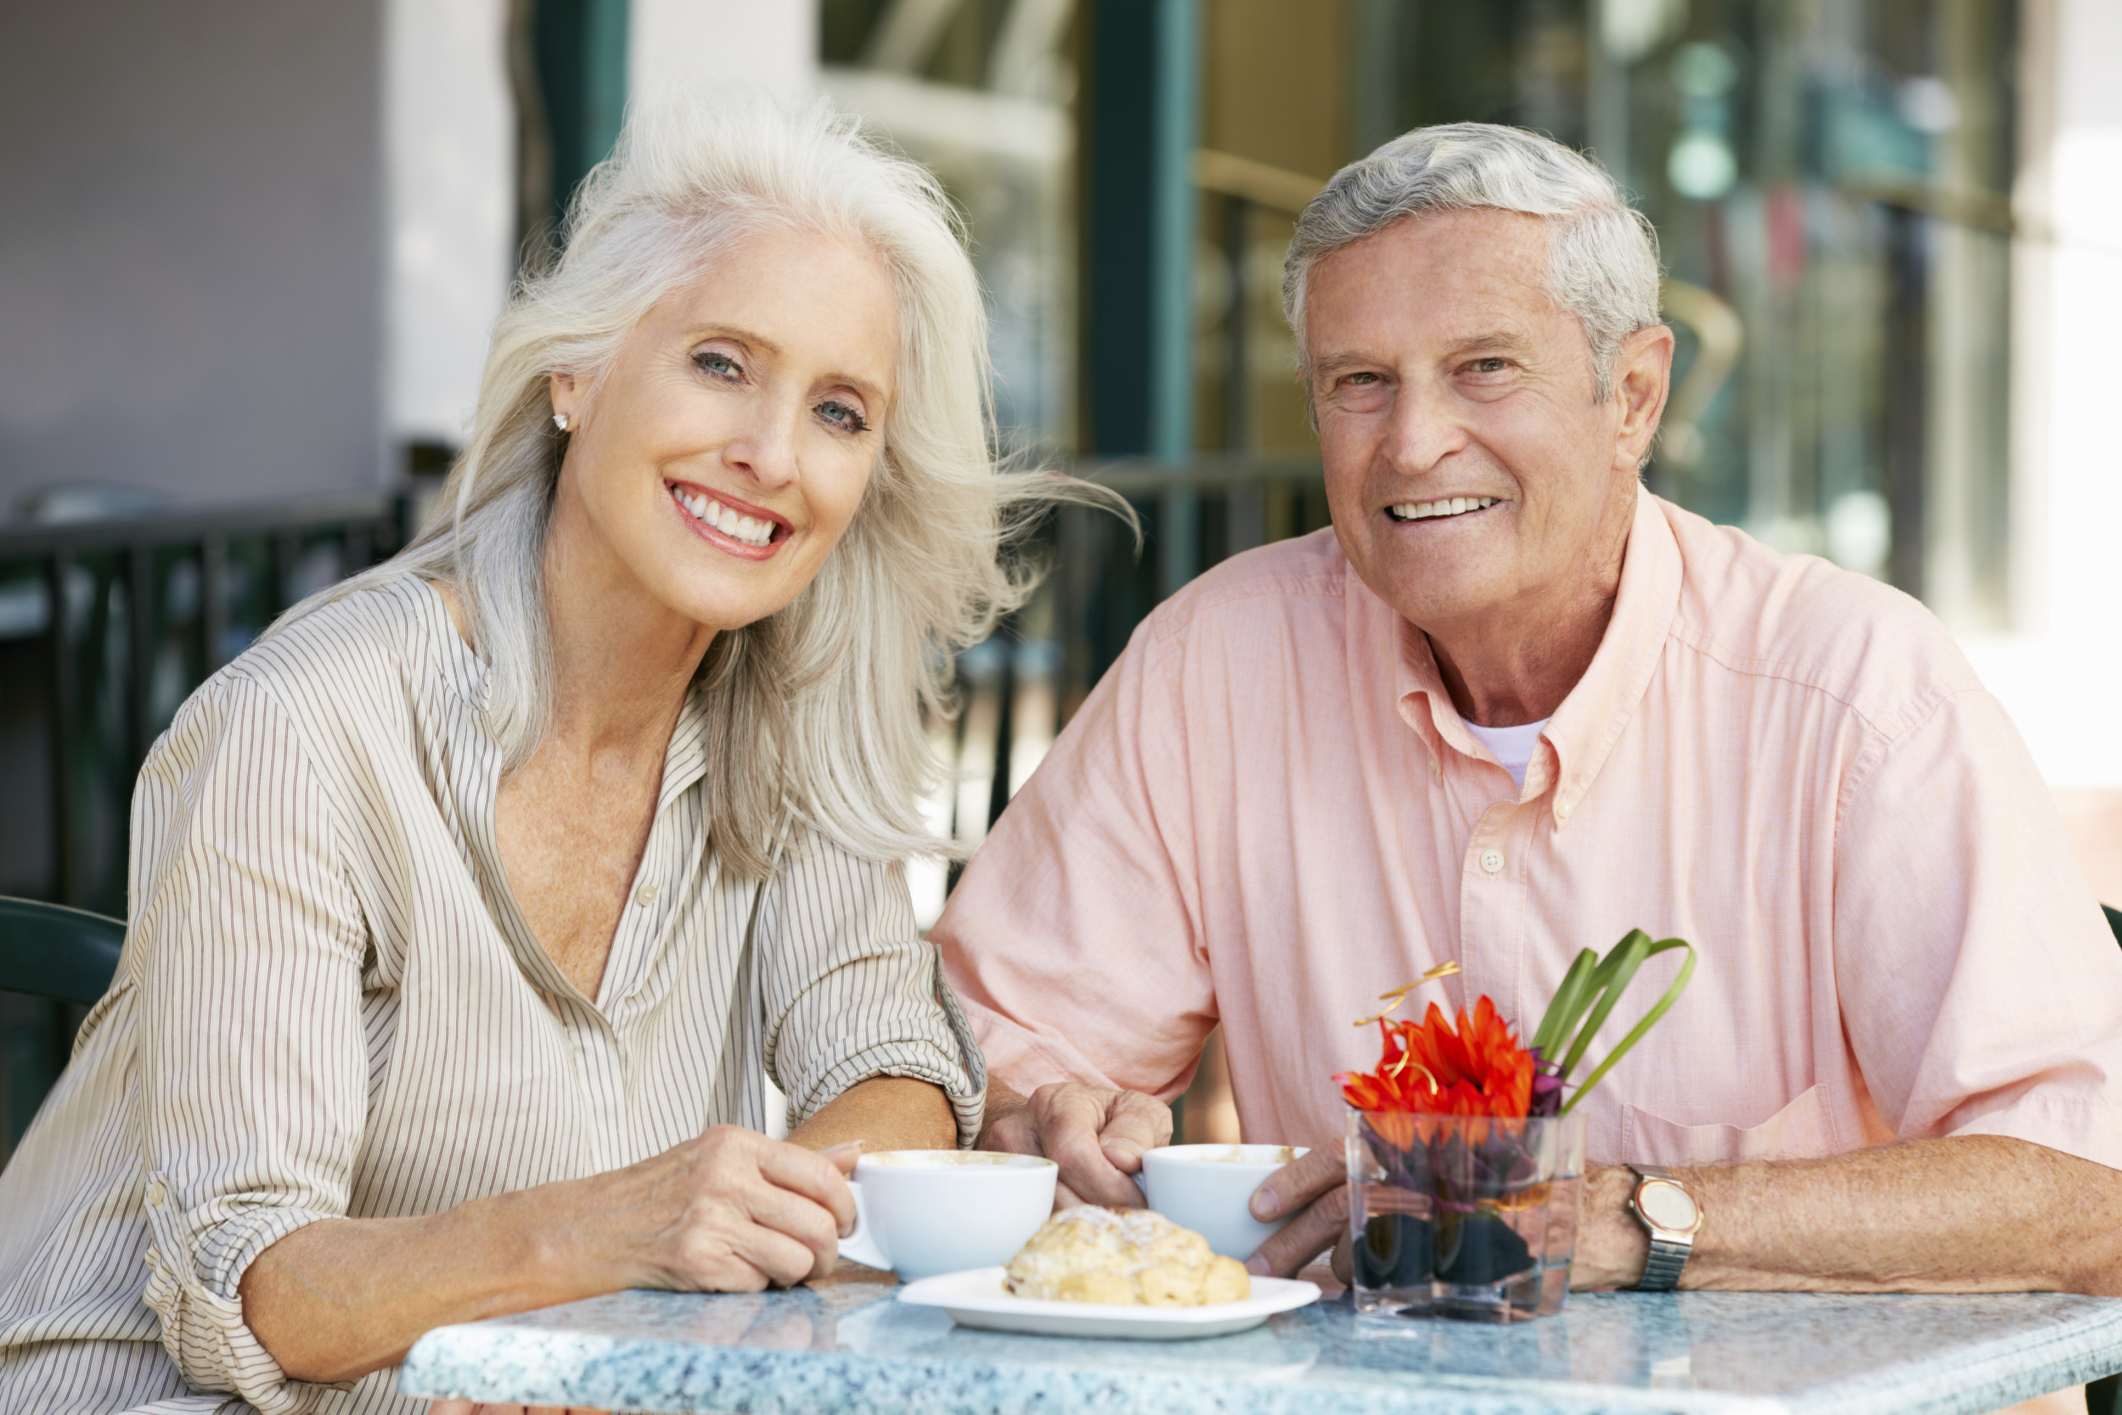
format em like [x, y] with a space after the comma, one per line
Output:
[946, 1159]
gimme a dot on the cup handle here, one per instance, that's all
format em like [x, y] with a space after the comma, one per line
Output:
[861, 1246]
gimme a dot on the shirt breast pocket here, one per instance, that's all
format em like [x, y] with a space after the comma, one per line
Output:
[1804, 1129]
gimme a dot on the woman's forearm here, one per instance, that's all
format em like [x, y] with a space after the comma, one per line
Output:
[882, 1113]
[730, 1211]
[337, 1299]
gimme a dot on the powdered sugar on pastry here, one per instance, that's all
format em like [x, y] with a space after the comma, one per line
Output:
[1129, 1257]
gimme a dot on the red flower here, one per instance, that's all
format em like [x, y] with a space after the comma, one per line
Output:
[1431, 1069]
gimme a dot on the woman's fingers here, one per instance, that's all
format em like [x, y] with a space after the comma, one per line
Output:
[815, 1176]
[753, 1213]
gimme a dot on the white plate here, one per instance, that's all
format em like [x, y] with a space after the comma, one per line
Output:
[976, 1298]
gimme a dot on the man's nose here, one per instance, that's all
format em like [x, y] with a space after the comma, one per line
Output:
[1426, 427]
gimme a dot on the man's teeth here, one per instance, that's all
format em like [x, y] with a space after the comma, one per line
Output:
[1451, 506]
[709, 511]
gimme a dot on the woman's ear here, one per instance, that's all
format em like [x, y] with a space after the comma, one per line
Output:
[562, 391]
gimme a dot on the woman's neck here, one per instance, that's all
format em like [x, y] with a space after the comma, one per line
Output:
[622, 660]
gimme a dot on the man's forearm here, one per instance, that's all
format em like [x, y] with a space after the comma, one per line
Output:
[1002, 1104]
[1974, 1213]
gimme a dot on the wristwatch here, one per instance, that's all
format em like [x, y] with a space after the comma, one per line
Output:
[1671, 1216]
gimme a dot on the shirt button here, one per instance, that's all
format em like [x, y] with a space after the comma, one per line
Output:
[1492, 860]
[645, 895]
[154, 1193]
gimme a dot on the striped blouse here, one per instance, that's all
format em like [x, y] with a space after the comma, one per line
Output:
[329, 1004]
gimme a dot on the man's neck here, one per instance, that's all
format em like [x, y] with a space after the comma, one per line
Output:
[1510, 674]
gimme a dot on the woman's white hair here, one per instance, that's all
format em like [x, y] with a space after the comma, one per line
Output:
[1602, 263]
[818, 708]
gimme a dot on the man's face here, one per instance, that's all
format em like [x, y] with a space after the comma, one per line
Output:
[1474, 478]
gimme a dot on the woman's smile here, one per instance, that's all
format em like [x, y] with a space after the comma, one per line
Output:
[748, 531]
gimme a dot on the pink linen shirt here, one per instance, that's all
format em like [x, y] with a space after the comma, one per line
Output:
[1268, 813]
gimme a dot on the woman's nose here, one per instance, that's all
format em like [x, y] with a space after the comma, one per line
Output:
[765, 448]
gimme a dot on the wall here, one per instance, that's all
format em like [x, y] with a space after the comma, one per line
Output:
[2060, 674]
[450, 143]
[769, 43]
[189, 261]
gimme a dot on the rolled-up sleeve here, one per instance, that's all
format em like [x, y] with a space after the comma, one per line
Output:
[1981, 989]
[852, 990]
[247, 945]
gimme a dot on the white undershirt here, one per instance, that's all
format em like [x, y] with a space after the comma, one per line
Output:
[1512, 746]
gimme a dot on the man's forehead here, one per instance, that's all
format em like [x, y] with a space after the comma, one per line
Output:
[1466, 278]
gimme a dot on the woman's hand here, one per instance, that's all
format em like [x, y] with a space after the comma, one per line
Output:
[730, 1211]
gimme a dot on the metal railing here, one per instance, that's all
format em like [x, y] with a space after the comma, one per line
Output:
[105, 628]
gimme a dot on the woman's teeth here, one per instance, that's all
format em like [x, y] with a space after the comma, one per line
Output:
[709, 511]
[1453, 506]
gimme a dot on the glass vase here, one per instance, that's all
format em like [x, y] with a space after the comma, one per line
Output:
[1463, 1216]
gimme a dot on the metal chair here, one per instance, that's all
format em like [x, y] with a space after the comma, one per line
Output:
[49, 950]
[54, 963]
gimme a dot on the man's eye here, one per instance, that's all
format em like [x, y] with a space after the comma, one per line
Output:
[1361, 380]
[1488, 365]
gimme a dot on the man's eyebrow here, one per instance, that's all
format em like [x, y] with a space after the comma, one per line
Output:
[1504, 339]
[1331, 364]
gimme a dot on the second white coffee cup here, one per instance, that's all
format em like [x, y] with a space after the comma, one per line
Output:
[1209, 1189]
[925, 1212]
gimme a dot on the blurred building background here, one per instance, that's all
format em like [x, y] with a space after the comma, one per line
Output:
[251, 251]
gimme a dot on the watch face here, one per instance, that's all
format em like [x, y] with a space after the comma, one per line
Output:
[1666, 1205]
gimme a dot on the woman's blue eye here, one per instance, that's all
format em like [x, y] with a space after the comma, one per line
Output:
[720, 364]
[842, 416]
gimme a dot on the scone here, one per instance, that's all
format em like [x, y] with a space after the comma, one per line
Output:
[1130, 1257]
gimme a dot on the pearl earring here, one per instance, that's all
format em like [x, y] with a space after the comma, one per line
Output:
[560, 421]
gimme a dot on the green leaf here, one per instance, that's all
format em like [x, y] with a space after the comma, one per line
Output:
[1567, 1005]
[1612, 979]
[1650, 1019]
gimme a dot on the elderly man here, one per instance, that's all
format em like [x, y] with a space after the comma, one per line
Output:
[1515, 706]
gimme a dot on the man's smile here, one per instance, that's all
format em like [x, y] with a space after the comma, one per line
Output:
[1444, 506]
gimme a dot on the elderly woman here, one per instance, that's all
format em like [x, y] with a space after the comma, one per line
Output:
[476, 909]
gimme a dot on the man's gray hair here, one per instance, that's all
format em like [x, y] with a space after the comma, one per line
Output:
[1603, 254]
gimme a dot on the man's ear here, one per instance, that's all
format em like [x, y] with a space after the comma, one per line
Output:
[1643, 377]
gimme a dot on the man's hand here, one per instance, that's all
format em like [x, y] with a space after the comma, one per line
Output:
[1096, 1136]
[1315, 1189]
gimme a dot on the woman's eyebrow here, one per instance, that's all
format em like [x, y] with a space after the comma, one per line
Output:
[759, 343]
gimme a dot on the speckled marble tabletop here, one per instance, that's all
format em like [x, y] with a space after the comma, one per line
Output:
[845, 1347]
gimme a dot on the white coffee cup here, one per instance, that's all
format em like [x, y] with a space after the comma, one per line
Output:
[924, 1212]
[1209, 1189]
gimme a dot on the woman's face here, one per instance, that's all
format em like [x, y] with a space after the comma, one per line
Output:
[729, 445]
